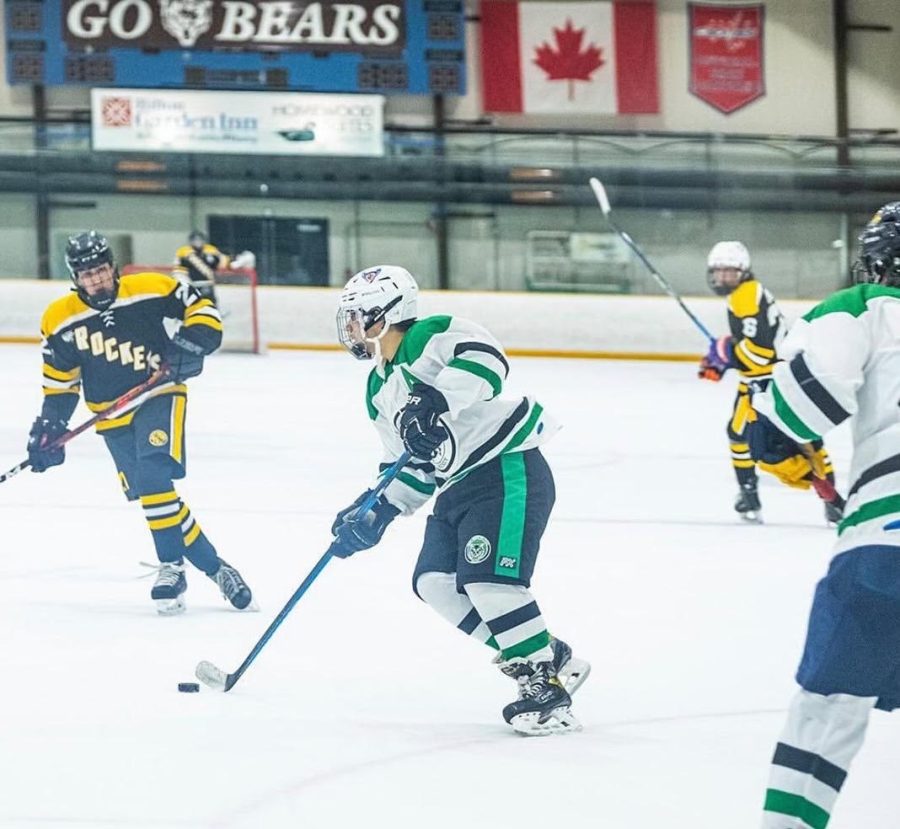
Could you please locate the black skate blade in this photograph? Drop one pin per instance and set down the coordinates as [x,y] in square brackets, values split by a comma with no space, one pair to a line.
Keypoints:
[558,721]
[211,676]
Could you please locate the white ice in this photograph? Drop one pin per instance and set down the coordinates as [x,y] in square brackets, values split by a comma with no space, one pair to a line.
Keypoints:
[366,709]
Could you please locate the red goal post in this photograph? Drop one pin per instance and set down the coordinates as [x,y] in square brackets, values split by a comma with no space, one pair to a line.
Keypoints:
[236,300]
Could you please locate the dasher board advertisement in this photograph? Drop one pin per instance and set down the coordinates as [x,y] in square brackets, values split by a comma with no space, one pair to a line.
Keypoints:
[263,123]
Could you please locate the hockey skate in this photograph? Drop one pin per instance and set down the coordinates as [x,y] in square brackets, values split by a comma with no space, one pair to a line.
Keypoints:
[168,589]
[544,705]
[234,588]
[570,670]
[747,504]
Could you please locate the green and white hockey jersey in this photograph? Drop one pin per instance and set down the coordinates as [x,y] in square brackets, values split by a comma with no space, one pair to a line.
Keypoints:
[468,366]
[843,359]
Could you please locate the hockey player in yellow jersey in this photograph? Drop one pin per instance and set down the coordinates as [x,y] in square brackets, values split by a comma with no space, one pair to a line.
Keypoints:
[756,328]
[198,261]
[105,337]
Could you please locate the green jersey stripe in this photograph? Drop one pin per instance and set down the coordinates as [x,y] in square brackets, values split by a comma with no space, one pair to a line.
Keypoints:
[492,378]
[853,301]
[793,805]
[789,417]
[512,518]
[415,483]
[372,388]
[525,431]
[873,509]
[416,338]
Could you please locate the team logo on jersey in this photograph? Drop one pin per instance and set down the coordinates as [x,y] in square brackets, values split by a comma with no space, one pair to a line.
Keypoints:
[446,453]
[478,548]
[158,438]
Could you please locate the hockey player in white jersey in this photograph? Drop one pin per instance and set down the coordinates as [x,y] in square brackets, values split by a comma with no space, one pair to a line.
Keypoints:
[435,391]
[841,360]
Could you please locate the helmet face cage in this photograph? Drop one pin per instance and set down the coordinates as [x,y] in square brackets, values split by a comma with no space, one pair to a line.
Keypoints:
[384,294]
[354,324]
[351,329]
[85,252]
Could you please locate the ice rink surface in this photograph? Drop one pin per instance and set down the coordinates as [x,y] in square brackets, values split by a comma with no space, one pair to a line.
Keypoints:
[366,709]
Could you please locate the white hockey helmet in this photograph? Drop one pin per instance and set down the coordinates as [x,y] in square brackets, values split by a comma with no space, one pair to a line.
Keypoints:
[385,293]
[727,256]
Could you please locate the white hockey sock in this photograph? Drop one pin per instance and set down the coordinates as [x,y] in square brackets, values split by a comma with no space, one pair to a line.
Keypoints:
[513,617]
[439,591]
[819,741]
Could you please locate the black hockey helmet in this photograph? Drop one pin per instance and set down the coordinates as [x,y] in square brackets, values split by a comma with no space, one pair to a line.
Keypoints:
[887,213]
[85,251]
[879,254]
[197,239]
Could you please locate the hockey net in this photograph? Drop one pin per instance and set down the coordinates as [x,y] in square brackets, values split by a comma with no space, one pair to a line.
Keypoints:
[236,298]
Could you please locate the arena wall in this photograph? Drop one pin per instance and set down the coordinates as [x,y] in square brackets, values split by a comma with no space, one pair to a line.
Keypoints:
[560,325]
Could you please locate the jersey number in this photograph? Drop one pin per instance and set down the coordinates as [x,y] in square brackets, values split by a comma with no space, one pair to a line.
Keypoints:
[750,326]
[183,292]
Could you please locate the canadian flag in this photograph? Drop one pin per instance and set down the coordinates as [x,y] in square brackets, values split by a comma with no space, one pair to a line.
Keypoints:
[569,57]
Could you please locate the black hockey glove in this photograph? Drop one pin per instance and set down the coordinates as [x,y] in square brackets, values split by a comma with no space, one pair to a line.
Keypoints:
[779,455]
[184,357]
[44,431]
[353,532]
[768,443]
[420,421]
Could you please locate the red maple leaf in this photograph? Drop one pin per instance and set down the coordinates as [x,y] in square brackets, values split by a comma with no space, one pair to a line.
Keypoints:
[567,62]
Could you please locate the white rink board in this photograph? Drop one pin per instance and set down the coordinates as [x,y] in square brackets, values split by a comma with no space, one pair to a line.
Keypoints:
[546,322]
[366,709]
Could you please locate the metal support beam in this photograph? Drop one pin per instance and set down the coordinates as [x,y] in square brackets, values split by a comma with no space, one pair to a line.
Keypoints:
[41,204]
[842,122]
[440,206]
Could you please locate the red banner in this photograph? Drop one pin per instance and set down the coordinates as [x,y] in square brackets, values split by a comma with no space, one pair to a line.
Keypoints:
[727,55]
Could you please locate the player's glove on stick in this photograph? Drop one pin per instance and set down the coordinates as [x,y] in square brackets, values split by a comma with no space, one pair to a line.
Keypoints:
[777,454]
[353,532]
[718,359]
[43,432]
[420,421]
[184,356]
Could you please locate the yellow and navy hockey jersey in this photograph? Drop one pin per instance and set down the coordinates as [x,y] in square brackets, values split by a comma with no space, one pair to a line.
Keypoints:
[199,266]
[757,327]
[109,352]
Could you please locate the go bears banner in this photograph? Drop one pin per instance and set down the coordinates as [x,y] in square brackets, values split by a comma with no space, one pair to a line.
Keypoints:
[727,55]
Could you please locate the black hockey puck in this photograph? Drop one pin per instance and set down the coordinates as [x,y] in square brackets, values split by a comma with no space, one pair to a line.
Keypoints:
[188,687]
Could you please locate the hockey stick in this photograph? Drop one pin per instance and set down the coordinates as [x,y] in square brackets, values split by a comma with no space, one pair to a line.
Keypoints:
[603,201]
[823,487]
[215,677]
[116,406]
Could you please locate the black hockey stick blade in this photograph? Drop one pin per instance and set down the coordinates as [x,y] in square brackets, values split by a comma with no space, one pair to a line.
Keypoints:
[11,473]
[213,677]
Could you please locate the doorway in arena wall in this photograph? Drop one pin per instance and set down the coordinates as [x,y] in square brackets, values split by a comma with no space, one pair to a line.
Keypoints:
[289,251]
